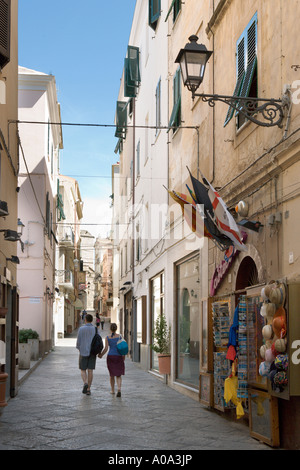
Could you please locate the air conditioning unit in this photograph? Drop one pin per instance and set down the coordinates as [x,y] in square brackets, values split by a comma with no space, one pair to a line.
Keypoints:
[3,209]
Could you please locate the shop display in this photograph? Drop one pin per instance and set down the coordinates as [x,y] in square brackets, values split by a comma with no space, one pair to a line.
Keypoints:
[222,369]
[242,353]
[221,323]
[222,365]
[275,364]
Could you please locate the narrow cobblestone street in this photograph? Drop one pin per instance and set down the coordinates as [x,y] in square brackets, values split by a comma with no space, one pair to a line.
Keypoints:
[51,413]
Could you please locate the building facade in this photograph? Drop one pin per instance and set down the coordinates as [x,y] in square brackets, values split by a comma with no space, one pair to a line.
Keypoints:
[253,167]
[67,267]
[9,167]
[40,146]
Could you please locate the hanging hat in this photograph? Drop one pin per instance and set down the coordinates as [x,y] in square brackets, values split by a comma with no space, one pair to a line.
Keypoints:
[279,326]
[263,310]
[269,356]
[282,362]
[270,309]
[269,287]
[264,369]
[280,378]
[274,351]
[280,345]
[267,332]
[263,351]
[263,294]
[277,295]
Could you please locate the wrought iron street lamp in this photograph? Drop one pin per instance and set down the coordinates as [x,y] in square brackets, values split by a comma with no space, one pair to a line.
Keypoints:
[263,112]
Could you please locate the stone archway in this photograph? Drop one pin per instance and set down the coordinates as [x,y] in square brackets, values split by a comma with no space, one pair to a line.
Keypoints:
[247,274]
[250,270]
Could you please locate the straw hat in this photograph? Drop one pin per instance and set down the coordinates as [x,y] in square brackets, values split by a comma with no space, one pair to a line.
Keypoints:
[277,294]
[263,351]
[263,310]
[268,288]
[267,332]
[280,345]
[271,309]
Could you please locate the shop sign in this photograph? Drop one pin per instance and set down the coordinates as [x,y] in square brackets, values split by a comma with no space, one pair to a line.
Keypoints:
[223,268]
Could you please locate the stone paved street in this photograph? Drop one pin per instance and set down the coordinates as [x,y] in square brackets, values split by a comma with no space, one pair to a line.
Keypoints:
[51,413]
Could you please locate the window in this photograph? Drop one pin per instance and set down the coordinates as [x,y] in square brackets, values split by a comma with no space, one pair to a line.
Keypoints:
[60,205]
[138,158]
[157,308]
[154,12]
[48,216]
[175,7]
[4,32]
[132,77]
[158,106]
[121,119]
[246,69]
[188,322]
[175,119]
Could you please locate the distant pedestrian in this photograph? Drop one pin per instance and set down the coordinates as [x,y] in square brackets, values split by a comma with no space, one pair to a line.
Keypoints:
[98,320]
[115,361]
[87,361]
[83,315]
[102,322]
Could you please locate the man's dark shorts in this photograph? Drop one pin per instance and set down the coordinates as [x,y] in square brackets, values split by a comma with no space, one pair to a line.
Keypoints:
[87,362]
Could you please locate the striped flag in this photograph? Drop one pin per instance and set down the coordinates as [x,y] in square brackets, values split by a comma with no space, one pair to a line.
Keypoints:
[224,219]
[191,213]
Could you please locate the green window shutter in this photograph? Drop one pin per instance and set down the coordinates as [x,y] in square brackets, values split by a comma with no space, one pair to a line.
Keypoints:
[119,146]
[246,62]
[176,113]
[154,12]
[138,156]
[158,105]
[121,119]
[251,62]
[60,204]
[129,84]
[133,65]
[176,7]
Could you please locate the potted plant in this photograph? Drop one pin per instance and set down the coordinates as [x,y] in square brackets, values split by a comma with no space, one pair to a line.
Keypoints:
[162,344]
[28,347]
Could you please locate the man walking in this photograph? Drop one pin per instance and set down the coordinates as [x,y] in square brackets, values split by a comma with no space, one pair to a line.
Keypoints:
[87,361]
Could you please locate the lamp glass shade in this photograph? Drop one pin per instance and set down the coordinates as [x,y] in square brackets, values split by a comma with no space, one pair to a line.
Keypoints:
[193,59]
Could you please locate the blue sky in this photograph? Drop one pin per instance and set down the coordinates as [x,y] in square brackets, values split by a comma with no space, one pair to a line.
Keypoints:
[83,44]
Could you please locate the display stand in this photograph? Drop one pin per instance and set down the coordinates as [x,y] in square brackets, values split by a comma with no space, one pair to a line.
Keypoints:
[264,423]
[206,389]
[221,314]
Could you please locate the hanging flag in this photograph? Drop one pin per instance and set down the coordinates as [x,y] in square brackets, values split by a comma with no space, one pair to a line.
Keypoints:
[202,198]
[224,219]
[190,212]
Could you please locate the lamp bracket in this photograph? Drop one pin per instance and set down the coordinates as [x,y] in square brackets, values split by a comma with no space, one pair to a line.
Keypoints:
[262,111]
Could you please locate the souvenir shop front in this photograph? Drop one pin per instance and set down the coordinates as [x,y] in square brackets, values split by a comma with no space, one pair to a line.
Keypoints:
[253,355]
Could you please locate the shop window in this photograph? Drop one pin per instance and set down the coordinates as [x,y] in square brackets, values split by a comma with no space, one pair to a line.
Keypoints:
[246,69]
[188,322]
[157,308]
